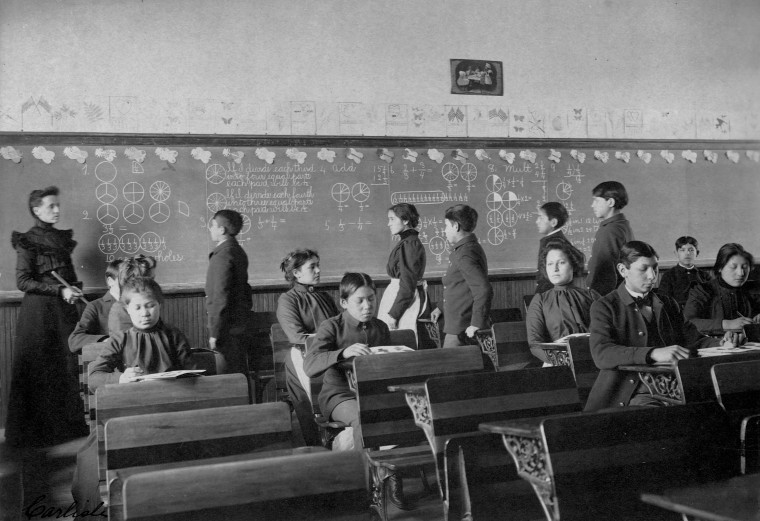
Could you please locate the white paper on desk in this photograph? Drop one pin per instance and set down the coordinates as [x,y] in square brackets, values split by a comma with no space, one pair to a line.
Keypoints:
[168,375]
[721,351]
[377,350]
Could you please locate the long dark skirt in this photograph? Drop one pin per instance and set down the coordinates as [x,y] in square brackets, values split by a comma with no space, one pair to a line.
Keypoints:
[44,405]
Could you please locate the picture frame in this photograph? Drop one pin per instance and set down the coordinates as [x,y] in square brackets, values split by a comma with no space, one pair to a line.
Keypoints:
[477,77]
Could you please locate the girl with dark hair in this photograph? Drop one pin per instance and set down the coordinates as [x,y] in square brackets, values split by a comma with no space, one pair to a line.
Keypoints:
[300,311]
[722,303]
[564,309]
[405,298]
[139,266]
[44,405]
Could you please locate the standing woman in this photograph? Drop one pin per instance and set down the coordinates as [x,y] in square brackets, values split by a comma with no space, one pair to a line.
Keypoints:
[405,298]
[44,405]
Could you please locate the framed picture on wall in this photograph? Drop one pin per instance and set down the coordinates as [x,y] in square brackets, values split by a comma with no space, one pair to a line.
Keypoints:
[482,77]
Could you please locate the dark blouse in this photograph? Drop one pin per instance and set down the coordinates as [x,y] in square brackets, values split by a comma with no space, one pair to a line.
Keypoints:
[41,250]
[558,312]
[301,309]
[678,281]
[161,348]
[712,302]
[333,336]
[406,262]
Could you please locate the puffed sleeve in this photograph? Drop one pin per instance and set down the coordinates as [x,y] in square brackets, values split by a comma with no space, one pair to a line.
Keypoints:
[26,272]
[289,317]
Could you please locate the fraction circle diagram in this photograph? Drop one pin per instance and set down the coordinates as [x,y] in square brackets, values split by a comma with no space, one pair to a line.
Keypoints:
[509,217]
[246,225]
[493,201]
[437,245]
[564,190]
[108,214]
[494,219]
[108,243]
[133,192]
[159,212]
[360,192]
[105,171]
[215,174]
[106,193]
[450,172]
[493,183]
[133,213]
[468,172]
[495,236]
[130,243]
[216,202]
[150,242]
[340,192]
[510,200]
[160,191]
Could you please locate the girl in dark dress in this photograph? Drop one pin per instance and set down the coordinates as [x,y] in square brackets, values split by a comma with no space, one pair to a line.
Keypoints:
[44,405]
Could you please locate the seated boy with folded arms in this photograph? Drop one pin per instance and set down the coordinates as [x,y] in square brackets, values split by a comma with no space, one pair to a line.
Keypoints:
[633,326]
[93,324]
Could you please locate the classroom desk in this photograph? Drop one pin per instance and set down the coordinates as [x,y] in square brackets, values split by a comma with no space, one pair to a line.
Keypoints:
[557,354]
[737,499]
[416,399]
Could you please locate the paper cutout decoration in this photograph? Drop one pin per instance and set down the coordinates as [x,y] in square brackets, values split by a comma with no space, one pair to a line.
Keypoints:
[482,155]
[410,155]
[296,155]
[578,156]
[385,154]
[509,157]
[201,155]
[166,154]
[106,153]
[237,157]
[555,155]
[11,153]
[754,155]
[354,155]
[644,156]
[265,155]
[690,156]
[528,156]
[732,155]
[135,154]
[326,155]
[711,156]
[435,155]
[44,154]
[623,156]
[602,156]
[460,155]
[75,153]
[667,156]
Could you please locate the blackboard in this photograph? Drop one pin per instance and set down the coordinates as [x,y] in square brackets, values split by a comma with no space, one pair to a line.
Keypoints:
[156,195]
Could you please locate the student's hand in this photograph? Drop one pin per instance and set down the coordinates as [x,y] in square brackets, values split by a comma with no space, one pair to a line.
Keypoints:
[733,339]
[436,314]
[212,343]
[356,350]
[470,331]
[736,323]
[129,373]
[70,295]
[392,322]
[669,354]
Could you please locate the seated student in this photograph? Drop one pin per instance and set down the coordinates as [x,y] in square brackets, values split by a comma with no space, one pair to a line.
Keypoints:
[610,197]
[564,309]
[93,324]
[552,217]
[139,266]
[632,325]
[147,347]
[723,303]
[300,311]
[339,338]
[678,281]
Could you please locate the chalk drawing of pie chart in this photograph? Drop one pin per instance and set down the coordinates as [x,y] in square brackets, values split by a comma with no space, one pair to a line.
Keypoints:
[215,174]
[450,172]
[108,243]
[106,193]
[133,192]
[216,202]
[494,201]
[494,219]
[493,183]
[150,242]
[129,243]
[246,225]
[340,192]
[510,200]
[509,218]
[159,212]
[437,245]
[564,190]
[108,214]
[360,192]
[133,213]
[468,172]
[495,236]
[105,171]
[160,191]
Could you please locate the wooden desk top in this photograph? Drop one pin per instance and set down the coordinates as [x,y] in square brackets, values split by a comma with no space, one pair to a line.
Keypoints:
[527,427]
[551,346]
[646,368]
[737,499]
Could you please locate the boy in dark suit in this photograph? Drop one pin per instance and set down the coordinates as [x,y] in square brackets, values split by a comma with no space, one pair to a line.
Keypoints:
[467,293]
[228,295]
[93,324]
[632,325]
[677,281]
[610,197]
[552,217]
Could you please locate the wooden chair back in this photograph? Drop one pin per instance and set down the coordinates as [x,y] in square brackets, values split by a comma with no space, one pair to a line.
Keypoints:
[694,377]
[281,347]
[583,366]
[403,337]
[600,463]
[210,360]
[260,356]
[430,333]
[506,345]
[88,355]
[322,486]
[384,416]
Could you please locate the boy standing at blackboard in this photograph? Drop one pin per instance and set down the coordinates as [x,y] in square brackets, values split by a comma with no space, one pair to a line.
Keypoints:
[610,197]
[228,295]
[467,293]
[552,217]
